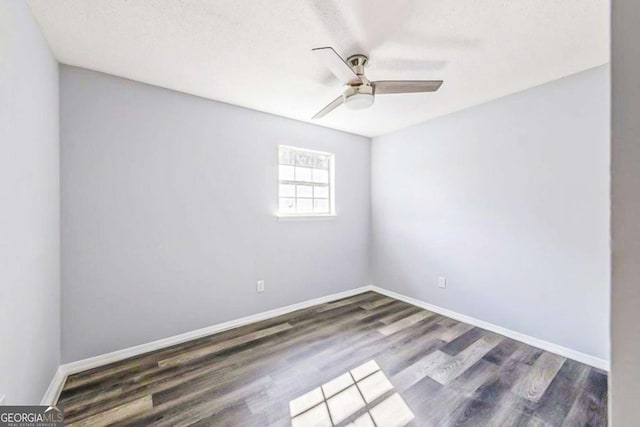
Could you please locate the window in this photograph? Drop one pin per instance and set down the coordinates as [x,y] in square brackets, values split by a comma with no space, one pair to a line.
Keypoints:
[306,182]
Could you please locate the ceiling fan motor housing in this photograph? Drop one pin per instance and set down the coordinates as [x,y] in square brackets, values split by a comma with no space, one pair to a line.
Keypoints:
[357,63]
[358,95]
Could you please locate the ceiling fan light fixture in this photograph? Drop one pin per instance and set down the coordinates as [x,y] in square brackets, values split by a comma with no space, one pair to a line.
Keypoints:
[359,101]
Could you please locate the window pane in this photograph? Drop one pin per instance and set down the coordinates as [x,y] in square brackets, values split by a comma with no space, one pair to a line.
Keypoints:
[304,191]
[320,192]
[287,190]
[287,156]
[321,175]
[303,174]
[308,159]
[321,205]
[305,205]
[322,162]
[287,205]
[286,173]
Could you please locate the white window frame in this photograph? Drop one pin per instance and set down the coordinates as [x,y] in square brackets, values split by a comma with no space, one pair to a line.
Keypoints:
[332,189]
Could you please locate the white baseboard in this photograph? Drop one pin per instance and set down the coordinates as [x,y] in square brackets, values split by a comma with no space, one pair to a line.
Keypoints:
[535,342]
[55,387]
[53,392]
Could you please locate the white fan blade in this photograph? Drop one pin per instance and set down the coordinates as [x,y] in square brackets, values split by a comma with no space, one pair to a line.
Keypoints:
[336,65]
[332,106]
[415,65]
[405,86]
[373,22]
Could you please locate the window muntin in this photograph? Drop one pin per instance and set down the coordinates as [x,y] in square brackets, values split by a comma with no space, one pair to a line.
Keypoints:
[305,182]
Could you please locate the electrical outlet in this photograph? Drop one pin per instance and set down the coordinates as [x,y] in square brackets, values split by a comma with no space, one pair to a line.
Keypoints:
[442,282]
[260,286]
[2,399]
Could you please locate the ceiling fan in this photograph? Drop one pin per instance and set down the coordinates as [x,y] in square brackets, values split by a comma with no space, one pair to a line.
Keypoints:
[359,92]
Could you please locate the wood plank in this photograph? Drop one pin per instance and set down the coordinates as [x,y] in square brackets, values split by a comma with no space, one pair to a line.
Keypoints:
[474,377]
[343,302]
[455,331]
[447,323]
[378,303]
[90,398]
[590,407]
[555,403]
[392,317]
[189,408]
[379,313]
[116,414]
[405,323]
[503,351]
[206,351]
[463,341]
[450,370]
[419,370]
[76,380]
[535,383]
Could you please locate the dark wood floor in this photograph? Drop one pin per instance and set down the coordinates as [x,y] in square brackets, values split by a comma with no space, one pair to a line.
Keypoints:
[447,373]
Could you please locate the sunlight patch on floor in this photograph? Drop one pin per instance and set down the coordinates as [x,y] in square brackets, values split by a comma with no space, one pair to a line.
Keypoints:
[353,397]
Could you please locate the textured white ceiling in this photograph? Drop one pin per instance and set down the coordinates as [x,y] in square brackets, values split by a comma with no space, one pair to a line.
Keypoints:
[257,54]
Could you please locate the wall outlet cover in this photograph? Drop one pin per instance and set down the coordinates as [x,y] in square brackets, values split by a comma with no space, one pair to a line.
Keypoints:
[2,396]
[442,282]
[260,286]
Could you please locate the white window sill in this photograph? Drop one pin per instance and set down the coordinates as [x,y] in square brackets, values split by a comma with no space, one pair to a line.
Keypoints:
[288,218]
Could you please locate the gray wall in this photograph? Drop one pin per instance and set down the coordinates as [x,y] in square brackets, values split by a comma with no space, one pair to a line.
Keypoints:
[508,201]
[29,208]
[168,214]
[625,214]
